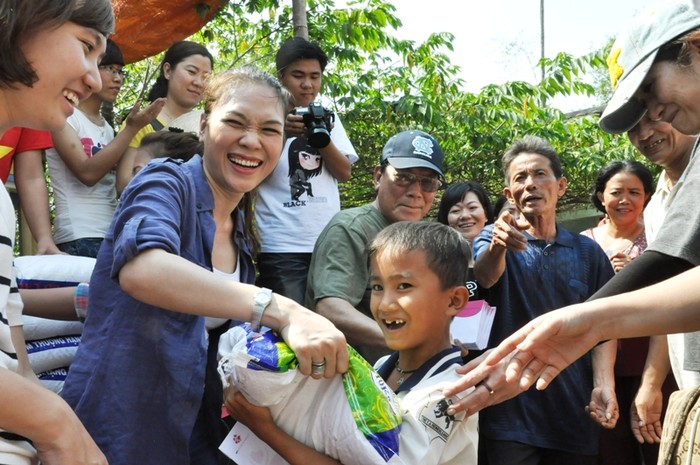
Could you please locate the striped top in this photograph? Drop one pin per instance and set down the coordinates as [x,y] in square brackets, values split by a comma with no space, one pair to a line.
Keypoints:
[14,450]
[10,302]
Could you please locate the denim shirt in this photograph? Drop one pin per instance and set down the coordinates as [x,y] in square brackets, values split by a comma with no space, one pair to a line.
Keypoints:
[138,380]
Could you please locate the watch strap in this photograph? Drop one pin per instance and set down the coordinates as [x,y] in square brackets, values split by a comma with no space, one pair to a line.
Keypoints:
[260,303]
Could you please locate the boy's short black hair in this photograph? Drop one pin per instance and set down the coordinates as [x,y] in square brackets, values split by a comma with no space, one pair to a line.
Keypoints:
[447,252]
[298,48]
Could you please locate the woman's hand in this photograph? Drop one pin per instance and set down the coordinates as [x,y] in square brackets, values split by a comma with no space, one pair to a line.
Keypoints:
[489,382]
[320,347]
[542,348]
[139,118]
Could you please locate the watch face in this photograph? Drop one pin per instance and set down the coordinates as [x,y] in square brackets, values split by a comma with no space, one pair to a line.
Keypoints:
[262,298]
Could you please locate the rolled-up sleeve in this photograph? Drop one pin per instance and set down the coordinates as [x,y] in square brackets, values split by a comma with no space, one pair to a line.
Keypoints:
[150,216]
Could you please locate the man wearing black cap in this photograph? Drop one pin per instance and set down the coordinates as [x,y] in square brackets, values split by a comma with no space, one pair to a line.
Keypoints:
[531,266]
[406,181]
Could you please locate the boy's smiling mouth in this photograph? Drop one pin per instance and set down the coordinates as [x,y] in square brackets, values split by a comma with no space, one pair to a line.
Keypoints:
[394,324]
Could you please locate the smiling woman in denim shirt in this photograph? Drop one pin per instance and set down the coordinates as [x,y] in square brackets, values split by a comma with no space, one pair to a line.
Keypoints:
[144,380]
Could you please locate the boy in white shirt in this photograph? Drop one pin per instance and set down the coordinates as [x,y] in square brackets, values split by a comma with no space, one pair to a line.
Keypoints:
[417,277]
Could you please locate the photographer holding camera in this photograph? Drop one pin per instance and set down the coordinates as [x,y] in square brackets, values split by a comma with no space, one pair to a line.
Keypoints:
[301,195]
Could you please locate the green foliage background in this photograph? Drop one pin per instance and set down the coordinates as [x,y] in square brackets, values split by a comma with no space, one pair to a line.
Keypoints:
[382,85]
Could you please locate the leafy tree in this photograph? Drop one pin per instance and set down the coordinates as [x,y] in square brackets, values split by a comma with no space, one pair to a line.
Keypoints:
[382,85]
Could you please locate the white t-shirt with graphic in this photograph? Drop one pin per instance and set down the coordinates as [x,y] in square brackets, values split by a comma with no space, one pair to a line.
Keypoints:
[81,210]
[293,206]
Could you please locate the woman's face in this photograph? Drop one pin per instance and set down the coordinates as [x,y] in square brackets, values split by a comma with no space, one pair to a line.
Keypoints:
[186,81]
[623,198]
[243,139]
[467,216]
[671,93]
[65,61]
[112,77]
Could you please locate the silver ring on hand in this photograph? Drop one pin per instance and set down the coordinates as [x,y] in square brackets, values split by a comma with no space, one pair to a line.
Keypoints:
[318,368]
[488,388]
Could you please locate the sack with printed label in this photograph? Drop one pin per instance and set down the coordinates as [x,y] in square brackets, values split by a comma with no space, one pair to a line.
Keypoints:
[353,418]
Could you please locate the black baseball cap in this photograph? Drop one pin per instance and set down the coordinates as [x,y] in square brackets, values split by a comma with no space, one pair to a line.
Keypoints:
[413,149]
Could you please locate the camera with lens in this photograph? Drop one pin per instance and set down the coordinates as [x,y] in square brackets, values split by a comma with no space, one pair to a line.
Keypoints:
[318,121]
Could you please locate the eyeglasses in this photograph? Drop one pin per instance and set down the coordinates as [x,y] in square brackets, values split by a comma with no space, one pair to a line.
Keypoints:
[406,179]
[114,71]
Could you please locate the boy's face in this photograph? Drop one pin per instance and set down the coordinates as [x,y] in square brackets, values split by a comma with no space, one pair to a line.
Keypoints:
[303,79]
[408,303]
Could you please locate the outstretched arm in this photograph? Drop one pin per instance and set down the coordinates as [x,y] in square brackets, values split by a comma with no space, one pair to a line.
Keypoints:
[542,348]
[489,382]
[165,280]
[553,341]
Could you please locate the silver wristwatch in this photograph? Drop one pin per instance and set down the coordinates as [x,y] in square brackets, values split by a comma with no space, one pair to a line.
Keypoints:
[260,302]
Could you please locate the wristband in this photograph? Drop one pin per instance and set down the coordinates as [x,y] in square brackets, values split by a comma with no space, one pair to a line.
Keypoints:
[80,300]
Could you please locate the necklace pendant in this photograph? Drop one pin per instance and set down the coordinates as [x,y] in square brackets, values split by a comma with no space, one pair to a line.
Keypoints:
[399,381]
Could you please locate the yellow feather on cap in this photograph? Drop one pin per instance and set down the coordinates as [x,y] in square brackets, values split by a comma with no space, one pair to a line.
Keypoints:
[614,67]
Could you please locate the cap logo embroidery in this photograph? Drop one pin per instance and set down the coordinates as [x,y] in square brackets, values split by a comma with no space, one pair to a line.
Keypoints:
[423,146]
[614,68]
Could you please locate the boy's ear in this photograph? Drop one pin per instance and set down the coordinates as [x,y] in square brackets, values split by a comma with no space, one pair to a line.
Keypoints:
[458,299]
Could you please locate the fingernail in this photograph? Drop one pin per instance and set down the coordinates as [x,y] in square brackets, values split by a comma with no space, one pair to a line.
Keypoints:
[608,416]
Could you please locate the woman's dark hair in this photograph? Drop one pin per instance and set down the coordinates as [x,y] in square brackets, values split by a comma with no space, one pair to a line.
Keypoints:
[113,55]
[455,194]
[21,19]
[223,86]
[174,55]
[621,166]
